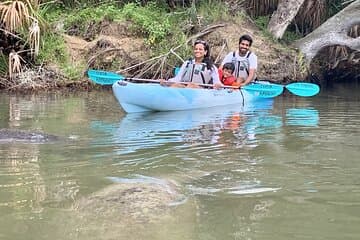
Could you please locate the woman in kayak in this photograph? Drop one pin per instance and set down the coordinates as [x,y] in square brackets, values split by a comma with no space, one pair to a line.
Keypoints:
[197,71]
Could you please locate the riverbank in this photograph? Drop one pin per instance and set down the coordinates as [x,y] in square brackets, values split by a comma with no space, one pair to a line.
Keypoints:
[276,62]
[117,44]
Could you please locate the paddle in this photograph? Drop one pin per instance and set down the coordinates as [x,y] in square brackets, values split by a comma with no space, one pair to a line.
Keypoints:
[109,78]
[103,77]
[264,90]
[260,90]
[299,88]
[303,89]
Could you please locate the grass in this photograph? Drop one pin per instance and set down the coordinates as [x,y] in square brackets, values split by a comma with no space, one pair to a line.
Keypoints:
[54,51]
[149,20]
[3,64]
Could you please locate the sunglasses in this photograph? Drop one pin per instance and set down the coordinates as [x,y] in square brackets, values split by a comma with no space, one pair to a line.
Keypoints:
[201,42]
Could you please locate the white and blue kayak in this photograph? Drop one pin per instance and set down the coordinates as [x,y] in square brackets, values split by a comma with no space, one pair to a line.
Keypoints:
[143,95]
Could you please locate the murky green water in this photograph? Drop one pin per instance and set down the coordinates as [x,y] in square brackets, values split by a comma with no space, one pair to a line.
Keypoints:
[287,169]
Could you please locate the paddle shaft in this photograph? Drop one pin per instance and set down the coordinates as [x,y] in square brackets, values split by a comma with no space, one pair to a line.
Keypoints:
[109,78]
[186,83]
[258,88]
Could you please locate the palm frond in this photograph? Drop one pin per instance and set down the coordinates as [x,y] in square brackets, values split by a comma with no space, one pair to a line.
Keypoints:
[34,37]
[311,15]
[260,7]
[15,64]
[14,15]
[355,31]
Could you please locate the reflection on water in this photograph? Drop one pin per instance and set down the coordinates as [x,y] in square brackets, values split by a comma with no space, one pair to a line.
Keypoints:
[146,130]
[242,170]
[202,133]
[302,117]
[198,127]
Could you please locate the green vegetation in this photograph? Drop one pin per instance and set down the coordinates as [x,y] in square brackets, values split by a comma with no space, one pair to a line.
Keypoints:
[3,64]
[262,22]
[213,11]
[84,16]
[54,51]
[150,21]
[290,37]
[162,27]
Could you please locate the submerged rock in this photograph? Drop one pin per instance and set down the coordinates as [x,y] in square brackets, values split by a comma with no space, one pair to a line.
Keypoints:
[10,135]
[131,208]
[129,202]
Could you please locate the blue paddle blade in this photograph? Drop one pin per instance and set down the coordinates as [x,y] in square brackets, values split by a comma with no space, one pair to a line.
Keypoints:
[303,89]
[264,90]
[103,77]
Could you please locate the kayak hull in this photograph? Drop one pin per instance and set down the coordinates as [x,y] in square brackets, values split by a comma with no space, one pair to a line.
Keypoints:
[144,97]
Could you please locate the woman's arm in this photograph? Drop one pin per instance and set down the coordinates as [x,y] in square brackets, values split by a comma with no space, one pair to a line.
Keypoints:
[215,75]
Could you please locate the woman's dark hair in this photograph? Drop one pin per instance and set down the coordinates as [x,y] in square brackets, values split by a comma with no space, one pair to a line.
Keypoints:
[230,66]
[207,59]
[246,38]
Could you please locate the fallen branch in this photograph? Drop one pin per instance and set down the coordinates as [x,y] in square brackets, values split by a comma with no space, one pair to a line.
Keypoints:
[162,58]
[333,32]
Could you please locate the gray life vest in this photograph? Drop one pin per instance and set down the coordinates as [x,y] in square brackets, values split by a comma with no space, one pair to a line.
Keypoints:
[197,73]
[242,66]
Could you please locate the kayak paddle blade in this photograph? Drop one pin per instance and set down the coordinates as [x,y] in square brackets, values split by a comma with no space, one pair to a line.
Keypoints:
[103,77]
[267,90]
[303,89]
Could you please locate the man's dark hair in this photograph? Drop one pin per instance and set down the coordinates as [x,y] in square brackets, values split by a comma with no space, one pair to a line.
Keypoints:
[246,37]
[230,66]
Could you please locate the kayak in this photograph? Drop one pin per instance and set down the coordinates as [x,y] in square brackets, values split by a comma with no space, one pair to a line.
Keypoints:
[149,95]
[144,97]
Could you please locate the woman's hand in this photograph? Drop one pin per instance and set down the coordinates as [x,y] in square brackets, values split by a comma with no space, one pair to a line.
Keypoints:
[163,82]
[217,85]
[193,85]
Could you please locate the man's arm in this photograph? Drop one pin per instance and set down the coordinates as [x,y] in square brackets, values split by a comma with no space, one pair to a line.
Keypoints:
[250,77]
[252,69]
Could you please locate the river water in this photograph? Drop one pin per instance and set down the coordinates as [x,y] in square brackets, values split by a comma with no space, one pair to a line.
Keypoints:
[282,169]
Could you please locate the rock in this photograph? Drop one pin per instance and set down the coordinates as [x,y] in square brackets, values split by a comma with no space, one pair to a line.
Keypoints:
[129,203]
[10,135]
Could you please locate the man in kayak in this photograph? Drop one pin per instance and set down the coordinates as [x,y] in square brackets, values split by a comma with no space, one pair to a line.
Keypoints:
[197,71]
[244,60]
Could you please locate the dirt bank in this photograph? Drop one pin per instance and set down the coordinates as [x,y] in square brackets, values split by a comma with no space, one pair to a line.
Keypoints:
[113,43]
[112,47]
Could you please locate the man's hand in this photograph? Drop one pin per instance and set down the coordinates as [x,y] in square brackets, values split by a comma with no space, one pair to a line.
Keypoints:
[236,85]
[217,85]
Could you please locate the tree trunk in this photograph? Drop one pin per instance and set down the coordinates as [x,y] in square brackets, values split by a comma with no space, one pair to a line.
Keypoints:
[335,31]
[282,17]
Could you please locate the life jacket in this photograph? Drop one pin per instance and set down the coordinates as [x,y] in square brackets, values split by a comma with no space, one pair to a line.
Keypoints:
[241,66]
[196,73]
[229,81]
